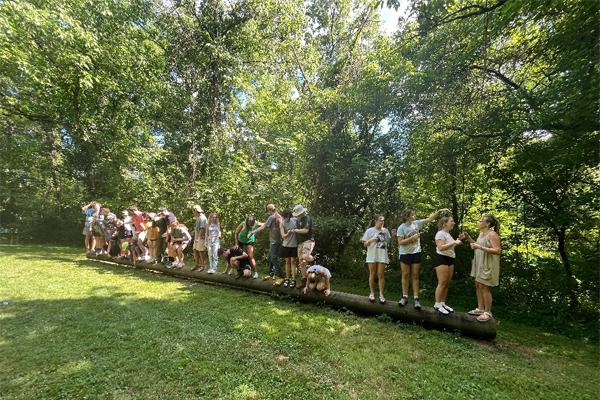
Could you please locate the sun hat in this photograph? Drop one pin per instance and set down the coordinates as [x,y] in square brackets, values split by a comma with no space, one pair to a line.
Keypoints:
[298,210]
[197,208]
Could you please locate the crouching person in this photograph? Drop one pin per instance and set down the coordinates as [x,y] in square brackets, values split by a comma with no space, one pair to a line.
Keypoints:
[317,278]
[236,259]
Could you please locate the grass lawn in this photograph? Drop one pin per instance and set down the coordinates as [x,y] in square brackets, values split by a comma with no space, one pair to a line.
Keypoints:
[77,329]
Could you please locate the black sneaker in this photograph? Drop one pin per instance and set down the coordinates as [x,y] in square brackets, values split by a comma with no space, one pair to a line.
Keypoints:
[403,301]
[417,304]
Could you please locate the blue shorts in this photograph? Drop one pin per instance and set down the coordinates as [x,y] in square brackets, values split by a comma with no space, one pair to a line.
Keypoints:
[410,259]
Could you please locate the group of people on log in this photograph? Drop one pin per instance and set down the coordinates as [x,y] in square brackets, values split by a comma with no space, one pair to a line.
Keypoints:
[160,237]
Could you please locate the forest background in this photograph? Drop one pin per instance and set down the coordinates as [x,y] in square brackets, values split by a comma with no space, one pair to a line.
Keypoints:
[475,105]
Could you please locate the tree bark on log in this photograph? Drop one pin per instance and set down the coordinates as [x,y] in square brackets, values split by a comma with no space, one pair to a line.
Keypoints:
[427,316]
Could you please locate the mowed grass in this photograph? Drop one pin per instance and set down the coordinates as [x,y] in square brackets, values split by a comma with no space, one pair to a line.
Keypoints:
[77,329]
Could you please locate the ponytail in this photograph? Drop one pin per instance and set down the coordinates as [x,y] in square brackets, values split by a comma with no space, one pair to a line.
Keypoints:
[494,224]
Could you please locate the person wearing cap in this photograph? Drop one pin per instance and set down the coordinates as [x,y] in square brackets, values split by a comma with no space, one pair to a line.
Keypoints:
[305,237]
[318,279]
[199,239]
[273,223]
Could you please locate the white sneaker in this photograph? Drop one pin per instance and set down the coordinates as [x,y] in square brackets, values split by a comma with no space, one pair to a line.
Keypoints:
[448,308]
[230,272]
[255,275]
[441,309]
[211,271]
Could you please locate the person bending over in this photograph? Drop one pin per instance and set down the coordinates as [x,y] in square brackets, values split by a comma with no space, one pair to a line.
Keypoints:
[237,259]
[317,278]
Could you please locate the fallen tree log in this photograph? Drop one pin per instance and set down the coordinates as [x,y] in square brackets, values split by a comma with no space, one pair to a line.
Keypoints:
[427,316]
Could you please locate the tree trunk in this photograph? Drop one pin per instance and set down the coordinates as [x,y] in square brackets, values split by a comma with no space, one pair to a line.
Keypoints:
[53,157]
[561,235]
[427,317]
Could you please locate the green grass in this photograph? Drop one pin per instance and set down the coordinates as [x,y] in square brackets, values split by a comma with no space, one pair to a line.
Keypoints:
[81,329]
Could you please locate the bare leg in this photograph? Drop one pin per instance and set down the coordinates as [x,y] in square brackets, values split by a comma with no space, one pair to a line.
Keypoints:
[372,272]
[479,295]
[381,277]
[487,297]
[405,278]
[416,270]
[441,271]
[448,280]
[293,267]
[250,251]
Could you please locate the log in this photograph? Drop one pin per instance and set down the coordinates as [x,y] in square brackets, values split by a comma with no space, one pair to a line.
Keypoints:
[427,317]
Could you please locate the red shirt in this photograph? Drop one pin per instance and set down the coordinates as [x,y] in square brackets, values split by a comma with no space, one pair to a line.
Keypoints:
[138,221]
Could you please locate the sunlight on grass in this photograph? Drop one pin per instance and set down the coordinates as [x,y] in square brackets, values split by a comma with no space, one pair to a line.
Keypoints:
[77,329]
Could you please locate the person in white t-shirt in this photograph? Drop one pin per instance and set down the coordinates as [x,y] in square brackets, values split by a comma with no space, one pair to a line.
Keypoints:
[376,239]
[443,262]
[409,251]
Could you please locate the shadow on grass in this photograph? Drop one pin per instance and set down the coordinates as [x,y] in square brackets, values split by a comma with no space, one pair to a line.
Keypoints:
[156,348]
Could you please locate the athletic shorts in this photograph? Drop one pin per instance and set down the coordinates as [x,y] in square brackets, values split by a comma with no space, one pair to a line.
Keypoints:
[442,260]
[410,259]
[288,252]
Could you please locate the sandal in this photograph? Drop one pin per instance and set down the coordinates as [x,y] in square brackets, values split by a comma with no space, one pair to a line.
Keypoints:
[486,316]
[293,283]
[372,298]
[475,311]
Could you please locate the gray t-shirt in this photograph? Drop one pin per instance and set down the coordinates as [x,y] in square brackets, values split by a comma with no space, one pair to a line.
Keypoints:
[407,230]
[201,225]
[290,240]
[273,225]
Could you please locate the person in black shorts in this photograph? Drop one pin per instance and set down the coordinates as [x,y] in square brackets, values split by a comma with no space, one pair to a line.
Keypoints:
[236,259]
[443,262]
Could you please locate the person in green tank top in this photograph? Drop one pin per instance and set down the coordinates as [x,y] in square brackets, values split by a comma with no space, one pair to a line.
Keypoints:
[245,238]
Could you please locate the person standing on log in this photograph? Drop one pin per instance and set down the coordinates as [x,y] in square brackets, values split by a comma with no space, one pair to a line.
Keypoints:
[486,264]
[138,219]
[200,249]
[305,237]
[162,221]
[243,235]
[90,210]
[273,223]
[376,240]
[212,239]
[443,262]
[289,249]
[409,249]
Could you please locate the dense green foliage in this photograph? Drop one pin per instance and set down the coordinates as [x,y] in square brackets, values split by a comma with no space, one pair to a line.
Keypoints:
[76,328]
[487,105]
